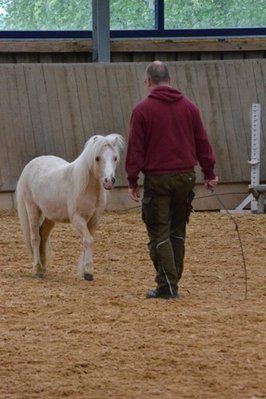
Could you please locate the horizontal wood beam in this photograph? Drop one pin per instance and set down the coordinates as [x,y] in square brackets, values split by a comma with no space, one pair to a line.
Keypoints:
[133,45]
[188,45]
[45,46]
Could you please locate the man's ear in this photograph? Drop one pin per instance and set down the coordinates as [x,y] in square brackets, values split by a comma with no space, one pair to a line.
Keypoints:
[149,82]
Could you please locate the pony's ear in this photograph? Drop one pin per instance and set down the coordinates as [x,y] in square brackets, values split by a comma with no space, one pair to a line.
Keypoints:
[95,138]
[116,140]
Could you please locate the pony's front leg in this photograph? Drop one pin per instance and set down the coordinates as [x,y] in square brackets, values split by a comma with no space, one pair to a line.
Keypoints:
[85,264]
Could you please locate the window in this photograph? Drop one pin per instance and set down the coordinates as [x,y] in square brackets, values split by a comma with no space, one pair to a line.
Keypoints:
[45,15]
[132,15]
[133,18]
[214,14]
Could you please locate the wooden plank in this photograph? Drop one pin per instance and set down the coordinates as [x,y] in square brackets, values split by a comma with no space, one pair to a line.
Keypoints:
[22,58]
[8,58]
[188,45]
[138,76]
[209,94]
[86,113]
[117,121]
[186,56]
[105,97]
[28,145]
[33,76]
[45,137]
[65,57]
[142,57]
[74,98]
[208,56]
[127,87]
[45,45]
[15,134]
[64,94]
[230,130]
[235,92]
[53,111]
[228,55]
[6,177]
[134,45]
[94,99]
[165,56]
[46,58]
[190,78]
[12,152]
[178,76]
[254,54]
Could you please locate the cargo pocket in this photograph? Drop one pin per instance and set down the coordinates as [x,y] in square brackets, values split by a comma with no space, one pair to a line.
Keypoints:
[190,198]
[147,210]
[189,180]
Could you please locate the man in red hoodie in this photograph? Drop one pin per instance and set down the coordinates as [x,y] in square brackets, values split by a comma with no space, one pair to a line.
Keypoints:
[166,140]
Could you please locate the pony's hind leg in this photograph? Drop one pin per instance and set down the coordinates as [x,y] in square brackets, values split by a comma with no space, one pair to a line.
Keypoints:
[45,230]
[34,215]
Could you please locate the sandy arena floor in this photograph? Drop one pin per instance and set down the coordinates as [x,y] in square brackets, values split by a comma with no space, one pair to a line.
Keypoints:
[63,337]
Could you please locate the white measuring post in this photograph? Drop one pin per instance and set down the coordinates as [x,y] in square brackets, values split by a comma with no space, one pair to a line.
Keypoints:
[255,159]
[255,152]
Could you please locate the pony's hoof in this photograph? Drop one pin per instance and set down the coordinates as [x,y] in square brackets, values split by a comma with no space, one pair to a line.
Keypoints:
[38,275]
[88,276]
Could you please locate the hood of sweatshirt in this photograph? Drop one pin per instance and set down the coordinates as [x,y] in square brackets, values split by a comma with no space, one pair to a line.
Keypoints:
[166,93]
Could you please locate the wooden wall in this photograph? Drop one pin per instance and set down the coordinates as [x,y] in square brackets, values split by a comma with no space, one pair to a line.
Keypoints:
[132,50]
[53,108]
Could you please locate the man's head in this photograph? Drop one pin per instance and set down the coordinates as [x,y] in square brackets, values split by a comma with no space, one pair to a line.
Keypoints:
[156,74]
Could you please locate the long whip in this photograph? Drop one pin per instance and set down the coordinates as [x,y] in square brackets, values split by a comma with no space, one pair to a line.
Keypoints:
[239,237]
[218,197]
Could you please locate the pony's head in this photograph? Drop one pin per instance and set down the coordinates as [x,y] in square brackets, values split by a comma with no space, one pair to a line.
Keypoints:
[105,155]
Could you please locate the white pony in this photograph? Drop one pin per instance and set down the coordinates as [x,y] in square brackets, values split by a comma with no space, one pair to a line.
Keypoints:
[52,190]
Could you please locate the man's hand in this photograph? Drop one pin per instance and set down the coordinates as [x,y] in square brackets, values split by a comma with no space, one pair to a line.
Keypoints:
[134,193]
[211,183]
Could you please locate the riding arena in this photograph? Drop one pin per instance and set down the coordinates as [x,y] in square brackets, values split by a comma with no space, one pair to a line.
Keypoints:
[87,331]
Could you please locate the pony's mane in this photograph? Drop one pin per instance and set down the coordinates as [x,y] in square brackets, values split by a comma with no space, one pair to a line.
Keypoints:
[83,165]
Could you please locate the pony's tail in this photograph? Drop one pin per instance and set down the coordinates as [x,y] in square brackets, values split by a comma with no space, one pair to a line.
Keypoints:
[23,217]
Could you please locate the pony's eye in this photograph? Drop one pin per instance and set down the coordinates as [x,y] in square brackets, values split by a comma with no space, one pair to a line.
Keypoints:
[97,159]
[115,159]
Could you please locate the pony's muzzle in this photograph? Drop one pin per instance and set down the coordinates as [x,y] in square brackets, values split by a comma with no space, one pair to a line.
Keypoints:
[108,183]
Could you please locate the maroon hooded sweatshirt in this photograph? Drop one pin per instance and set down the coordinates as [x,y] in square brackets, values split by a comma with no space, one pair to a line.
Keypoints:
[167,135]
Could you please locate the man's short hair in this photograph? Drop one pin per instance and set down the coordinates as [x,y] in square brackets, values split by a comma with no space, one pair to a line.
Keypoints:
[157,72]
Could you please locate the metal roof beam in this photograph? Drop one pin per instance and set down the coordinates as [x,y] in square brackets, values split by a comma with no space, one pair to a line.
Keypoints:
[101,31]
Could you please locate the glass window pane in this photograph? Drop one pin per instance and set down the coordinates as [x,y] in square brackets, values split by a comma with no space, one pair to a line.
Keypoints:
[132,14]
[204,14]
[45,14]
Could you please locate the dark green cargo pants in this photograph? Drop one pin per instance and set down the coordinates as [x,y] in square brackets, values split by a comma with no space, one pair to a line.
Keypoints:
[166,206]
